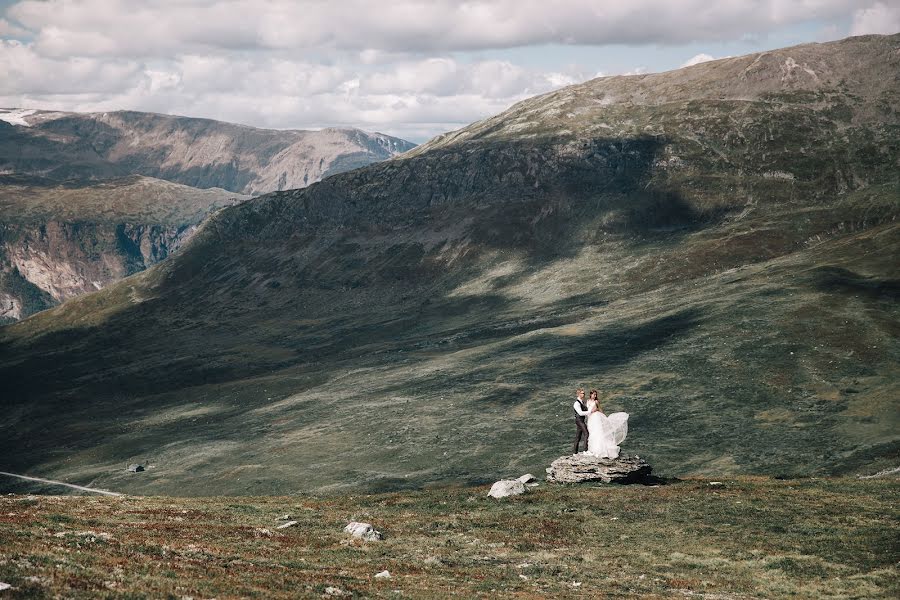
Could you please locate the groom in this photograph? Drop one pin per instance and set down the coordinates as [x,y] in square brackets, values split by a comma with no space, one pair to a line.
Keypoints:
[580,413]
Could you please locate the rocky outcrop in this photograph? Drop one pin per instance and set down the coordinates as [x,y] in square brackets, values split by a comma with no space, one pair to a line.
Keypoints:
[363,531]
[506,487]
[585,468]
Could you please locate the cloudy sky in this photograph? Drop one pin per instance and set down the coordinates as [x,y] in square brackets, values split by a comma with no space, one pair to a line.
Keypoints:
[411,68]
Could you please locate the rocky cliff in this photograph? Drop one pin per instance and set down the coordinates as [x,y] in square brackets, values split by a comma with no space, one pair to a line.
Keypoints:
[714,248]
[59,240]
[201,153]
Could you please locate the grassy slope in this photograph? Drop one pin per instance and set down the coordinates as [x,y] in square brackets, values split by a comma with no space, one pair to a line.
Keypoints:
[754,538]
[730,278]
[32,201]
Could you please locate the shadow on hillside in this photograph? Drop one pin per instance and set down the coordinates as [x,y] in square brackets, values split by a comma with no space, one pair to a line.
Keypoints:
[839,280]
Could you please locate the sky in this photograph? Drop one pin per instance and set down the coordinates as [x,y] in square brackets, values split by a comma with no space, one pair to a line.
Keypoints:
[410,68]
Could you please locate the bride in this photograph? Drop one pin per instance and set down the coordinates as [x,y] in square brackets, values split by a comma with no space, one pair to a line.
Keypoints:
[605,433]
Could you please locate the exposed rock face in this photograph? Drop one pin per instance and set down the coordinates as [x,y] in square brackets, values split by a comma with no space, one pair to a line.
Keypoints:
[585,468]
[506,487]
[198,152]
[58,241]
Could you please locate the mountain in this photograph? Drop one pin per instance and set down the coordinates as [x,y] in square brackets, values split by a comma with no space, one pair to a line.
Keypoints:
[63,234]
[715,248]
[59,240]
[201,153]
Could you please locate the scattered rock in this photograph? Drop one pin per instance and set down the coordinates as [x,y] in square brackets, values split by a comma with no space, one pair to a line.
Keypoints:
[4,586]
[88,536]
[288,524]
[578,468]
[262,532]
[284,518]
[895,472]
[135,468]
[716,484]
[333,591]
[527,478]
[363,531]
[507,487]
[383,575]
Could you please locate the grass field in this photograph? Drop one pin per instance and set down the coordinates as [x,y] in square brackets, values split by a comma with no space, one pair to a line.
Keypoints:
[748,538]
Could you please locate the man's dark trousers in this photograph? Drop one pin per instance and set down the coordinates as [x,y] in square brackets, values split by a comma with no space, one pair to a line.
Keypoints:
[581,434]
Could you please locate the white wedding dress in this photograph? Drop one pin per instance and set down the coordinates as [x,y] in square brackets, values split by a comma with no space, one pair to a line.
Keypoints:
[605,433]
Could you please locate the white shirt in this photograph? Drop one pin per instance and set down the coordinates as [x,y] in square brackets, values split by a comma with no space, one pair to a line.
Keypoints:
[578,410]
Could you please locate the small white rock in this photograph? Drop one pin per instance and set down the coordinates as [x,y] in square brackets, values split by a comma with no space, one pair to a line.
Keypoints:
[288,524]
[507,487]
[383,575]
[4,586]
[527,478]
[363,531]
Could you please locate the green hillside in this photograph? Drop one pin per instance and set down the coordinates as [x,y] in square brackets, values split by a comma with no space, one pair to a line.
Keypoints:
[715,248]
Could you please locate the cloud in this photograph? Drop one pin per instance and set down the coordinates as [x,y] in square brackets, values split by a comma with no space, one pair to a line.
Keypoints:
[697,59]
[412,68]
[879,18]
[414,98]
[24,69]
[8,30]
[157,27]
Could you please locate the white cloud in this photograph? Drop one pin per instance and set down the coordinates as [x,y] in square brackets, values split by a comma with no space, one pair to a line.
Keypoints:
[26,70]
[8,30]
[408,67]
[697,59]
[161,27]
[415,98]
[879,18]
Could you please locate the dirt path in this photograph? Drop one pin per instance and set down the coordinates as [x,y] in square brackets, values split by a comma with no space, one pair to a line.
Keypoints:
[51,482]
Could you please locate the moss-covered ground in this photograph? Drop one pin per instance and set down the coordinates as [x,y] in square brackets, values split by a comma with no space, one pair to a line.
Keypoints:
[746,538]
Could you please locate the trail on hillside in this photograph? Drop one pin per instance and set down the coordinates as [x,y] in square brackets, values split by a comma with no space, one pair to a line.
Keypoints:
[70,485]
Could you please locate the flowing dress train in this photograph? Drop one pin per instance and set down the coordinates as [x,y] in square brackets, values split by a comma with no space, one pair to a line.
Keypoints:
[606,432]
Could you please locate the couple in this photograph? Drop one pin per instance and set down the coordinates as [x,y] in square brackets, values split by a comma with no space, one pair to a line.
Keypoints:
[602,435]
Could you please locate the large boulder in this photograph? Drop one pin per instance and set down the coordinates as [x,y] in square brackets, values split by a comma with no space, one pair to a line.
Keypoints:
[507,487]
[578,468]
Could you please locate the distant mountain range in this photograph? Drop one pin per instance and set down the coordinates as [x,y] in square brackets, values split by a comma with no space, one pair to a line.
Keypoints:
[200,153]
[90,198]
[714,248]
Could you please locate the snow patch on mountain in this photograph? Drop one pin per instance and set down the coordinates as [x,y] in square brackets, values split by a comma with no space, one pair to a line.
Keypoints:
[16,116]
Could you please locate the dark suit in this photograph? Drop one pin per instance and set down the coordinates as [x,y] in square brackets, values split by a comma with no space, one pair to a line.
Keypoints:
[582,430]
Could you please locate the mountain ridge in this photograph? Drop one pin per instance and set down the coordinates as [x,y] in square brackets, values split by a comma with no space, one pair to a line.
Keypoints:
[193,151]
